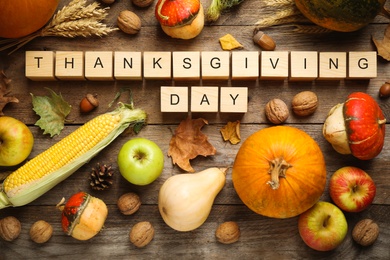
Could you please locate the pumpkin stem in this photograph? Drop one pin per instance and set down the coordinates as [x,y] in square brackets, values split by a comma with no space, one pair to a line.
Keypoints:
[382,121]
[278,168]
[164,17]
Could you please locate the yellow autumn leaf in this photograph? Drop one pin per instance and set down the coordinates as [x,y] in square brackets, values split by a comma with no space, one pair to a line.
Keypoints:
[231,132]
[228,42]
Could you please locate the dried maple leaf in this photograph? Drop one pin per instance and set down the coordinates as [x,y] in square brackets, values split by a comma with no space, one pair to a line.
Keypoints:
[228,42]
[4,91]
[188,142]
[52,110]
[231,132]
[383,46]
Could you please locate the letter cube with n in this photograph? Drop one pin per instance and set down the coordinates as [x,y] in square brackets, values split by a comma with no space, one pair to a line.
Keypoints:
[174,99]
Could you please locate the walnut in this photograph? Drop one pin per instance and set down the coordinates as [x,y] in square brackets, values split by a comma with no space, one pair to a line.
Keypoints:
[228,232]
[276,111]
[304,103]
[10,228]
[365,232]
[129,22]
[142,3]
[129,203]
[41,232]
[141,234]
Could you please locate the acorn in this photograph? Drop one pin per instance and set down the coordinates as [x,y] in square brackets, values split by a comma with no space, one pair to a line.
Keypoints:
[89,103]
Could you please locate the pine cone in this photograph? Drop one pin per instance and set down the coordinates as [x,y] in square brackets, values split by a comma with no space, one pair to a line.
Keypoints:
[101,177]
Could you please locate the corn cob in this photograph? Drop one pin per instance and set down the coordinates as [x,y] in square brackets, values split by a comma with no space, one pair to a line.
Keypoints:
[54,165]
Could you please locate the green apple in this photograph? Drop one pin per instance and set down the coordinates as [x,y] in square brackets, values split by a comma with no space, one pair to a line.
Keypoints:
[16,141]
[323,227]
[140,161]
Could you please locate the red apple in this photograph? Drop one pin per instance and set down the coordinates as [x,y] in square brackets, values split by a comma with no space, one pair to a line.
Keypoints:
[352,189]
[323,227]
[16,141]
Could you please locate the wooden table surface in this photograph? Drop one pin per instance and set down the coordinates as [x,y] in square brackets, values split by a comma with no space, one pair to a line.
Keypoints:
[261,237]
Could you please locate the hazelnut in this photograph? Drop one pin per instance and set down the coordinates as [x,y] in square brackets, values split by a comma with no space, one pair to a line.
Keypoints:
[228,232]
[304,103]
[365,232]
[142,3]
[384,91]
[264,41]
[89,103]
[141,234]
[129,22]
[10,228]
[276,111]
[129,203]
[108,1]
[41,232]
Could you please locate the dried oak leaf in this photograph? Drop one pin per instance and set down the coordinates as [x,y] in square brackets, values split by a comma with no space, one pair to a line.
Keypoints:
[52,110]
[188,142]
[228,42]
[4,91]
[231,132]
[383,46]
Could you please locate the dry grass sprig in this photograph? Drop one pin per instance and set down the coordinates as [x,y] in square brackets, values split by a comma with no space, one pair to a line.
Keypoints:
[279,3]
[279,17]
[73,20]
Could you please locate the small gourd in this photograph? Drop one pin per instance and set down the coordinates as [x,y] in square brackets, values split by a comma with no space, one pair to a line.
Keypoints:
[185,200]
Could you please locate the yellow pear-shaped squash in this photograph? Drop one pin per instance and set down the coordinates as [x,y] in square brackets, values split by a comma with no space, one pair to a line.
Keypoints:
[185,200]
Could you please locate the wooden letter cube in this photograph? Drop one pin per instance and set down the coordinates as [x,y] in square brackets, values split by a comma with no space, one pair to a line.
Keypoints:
[362,65]
[204,99]
[70,65]
[174,99]
[303,65]
[216,65]
[333,65]
[245,65]
[234,99]
[186,65]
[40,65]
[99,65]
[127,65]
[274,65]
[157,65]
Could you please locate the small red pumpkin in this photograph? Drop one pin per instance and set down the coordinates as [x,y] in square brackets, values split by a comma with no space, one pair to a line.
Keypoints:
[356,127]
[279,172]
[83,216]
[183,19]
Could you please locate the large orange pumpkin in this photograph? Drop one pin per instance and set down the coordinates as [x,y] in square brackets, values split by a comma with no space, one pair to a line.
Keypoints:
[19,18]
[279,172]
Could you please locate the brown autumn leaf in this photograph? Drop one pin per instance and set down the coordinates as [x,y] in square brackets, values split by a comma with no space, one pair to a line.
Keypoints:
[231,132]
[4,91]
[188,142]
[383,46]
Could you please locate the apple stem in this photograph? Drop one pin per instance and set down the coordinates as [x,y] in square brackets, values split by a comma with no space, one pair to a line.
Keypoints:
[326,221]
[164,17]
[278,168]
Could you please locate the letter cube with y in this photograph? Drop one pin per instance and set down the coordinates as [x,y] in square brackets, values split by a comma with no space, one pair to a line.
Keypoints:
[174,99]
[40,65]
[234,99]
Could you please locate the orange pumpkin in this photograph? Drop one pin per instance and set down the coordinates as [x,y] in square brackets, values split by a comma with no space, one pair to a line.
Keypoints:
[279,172]
[21,17]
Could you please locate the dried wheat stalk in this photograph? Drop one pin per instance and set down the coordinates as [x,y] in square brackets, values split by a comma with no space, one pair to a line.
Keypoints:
[75,19]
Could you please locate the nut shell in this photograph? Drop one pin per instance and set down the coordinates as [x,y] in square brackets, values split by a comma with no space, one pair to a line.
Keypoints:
[129,203]
[384,91]
[141,234]
[365,232]
[228,232]
[276,111]
[41,231]
[10,228]
[142,3]
[129,22]
[304,103]
[264,41]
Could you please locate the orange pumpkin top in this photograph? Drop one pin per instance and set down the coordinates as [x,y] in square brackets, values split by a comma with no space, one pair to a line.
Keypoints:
[22,17]
[279,172]
[176,12]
